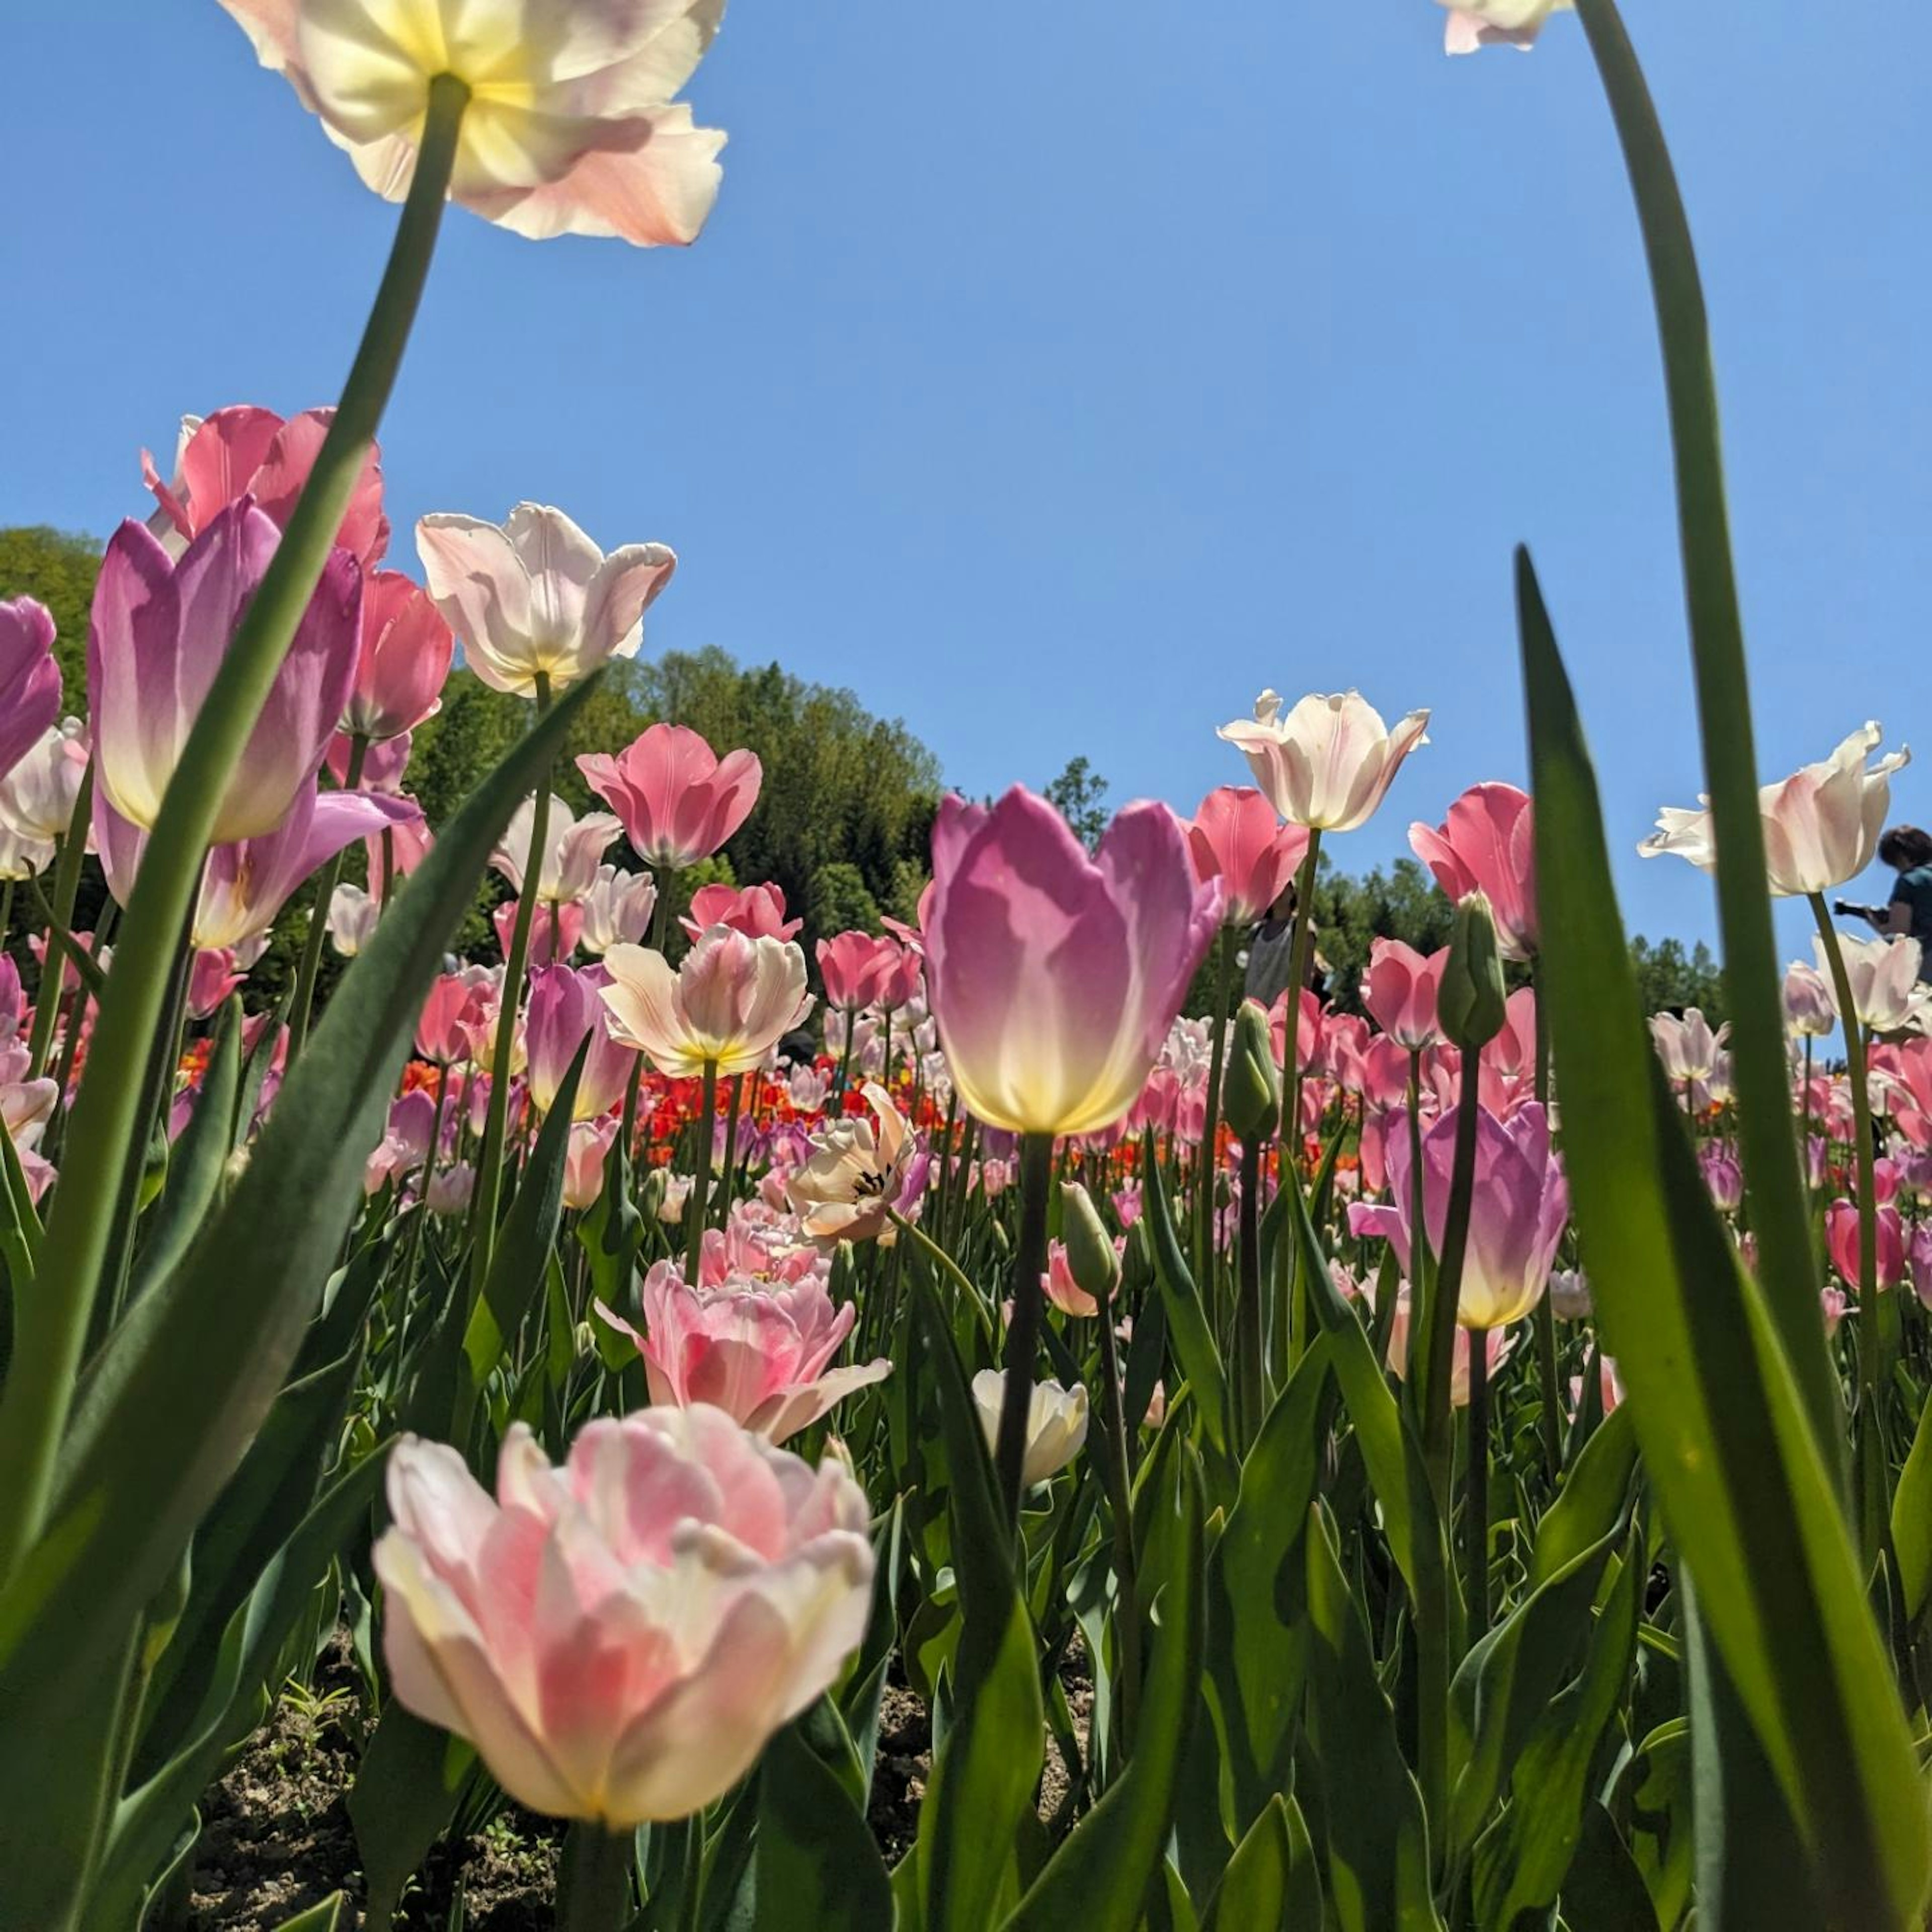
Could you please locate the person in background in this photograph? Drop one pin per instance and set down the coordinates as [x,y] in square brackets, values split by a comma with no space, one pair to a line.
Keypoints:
[1268,964]
[1908,851]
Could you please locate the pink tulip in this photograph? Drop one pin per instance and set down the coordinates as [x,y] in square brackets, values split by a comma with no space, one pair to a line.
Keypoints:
[851,964]
[1399,990]
[564,1008]
[158,634]
[1486,845]
[1841,1242]
[1054,975]
[761,1354]
[570,129]
[901,979]
[1496,1351]
[758,911]
[1329,763]
[555,930]
[617,908]
[1475,24]
[1722,1176]
[211,980]
[30,679]
[245,451]
[619,1637]
[409,844]
[384,762]
[38,796]
[729,1003]
[1810,1007]
[1235,837]
[1919,1257]
[680,802]
[443,1027]
[585,1160]
[402,661]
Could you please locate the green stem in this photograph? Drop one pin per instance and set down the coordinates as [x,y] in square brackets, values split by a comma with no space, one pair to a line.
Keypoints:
[594,1884]
[1217,1044]
[1874,1373]
[1127,1594]
[1298,952]
[694,1209]
[1416,1379]
[1437,1413]
[1543,1317]
[941,1259]
[1023,1334]
[1250,1371]
[50,1329]
[318,917]
[490,1162]
[67,885]
[730,1147]
[1476,1500]
[1767,1138]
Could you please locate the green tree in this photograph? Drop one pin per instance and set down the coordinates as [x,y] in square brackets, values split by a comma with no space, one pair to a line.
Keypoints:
[1079,795]
[58,567]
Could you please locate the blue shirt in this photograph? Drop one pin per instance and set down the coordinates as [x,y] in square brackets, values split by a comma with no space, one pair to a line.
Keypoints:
[1913,891]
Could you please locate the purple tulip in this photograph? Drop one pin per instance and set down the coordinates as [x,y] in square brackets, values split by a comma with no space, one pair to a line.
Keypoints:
[565,1005]
[30,680]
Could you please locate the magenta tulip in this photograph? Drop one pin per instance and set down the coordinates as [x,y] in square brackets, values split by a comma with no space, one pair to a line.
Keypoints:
[1841,1242]
[679,801]
[1485,845]
[565,1006]
[1236,837]
[852,964]
[30,680]
[1053,974]
[403,659]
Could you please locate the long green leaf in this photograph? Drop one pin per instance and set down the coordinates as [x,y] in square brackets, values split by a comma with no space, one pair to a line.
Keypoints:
[1750,1504]
[406,1791]
[1596,1487]
[817,1867]
[1194,1349]
[1271,1881]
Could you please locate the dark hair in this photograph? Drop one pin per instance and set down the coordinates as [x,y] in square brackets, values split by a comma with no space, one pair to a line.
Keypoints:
[1905,848]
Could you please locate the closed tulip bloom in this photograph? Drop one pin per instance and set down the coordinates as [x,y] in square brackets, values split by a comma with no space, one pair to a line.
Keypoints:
[1841,1242]
[533,596]
[619,1637]
[1330,762]
[1809,1008]
[584,1159]
[38,796]
[1821,825]
[30,679]
[851,964]
[1919,1258]
[1688,1048]
[443,1033]
[617,908]
[1235,837]
[572,851]
[1054,975]
[758,911]
[565,1008]
[1056,1422]
[1886,994]
[855,1176]
[1485,845]
[244,451]
[680,802]
[402,660]
[352,915]
[1475,24]
[761,1351]
[570,128]
[730,1002]
[157,635]
[1400,989]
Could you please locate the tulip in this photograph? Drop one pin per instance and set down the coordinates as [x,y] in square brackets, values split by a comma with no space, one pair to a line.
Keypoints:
[352,915]
[158,633]
[570,128]
[212,976]
[760,1353]
[573,849]
[856,1175]
[1485,845]
[758,912]
[680,802]
[30,678]
[442,1028]
[534,598]
[404,846]
[1235,837]
[1496,1347]
[1841,1242]
[1327,764]
[1399,990]
[900,978]
[1056,1422]
[619,1637]
[1474,24]
[554,929]
[564,1008]
[727,1006]
[1570,1298]
[617,907]
[1687,1047]
[38,795]
[1821,825]
[1055,976]
[402,660]
[1810,1010]
[1094,1257]
[1919,1256]
[1722,1176]
[851,964]
[1886,994]
[449,1193]
[584,1160]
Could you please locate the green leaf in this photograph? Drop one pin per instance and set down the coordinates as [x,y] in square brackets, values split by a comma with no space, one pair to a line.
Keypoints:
[1100,1875]
[1379,1873]
[1912,1523]
[1194,1350]
[818,1869]
[1271,1881]
[1596,1490]
[1750,1504]
[1603,1890]
[405,1793]
[327,1914]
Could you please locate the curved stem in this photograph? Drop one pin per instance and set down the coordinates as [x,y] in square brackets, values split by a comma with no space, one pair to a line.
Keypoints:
[318,918]
[67,885]
[50,1330]
[941,1259]
[1437,1410]
[1120,1508]
[1023,1335]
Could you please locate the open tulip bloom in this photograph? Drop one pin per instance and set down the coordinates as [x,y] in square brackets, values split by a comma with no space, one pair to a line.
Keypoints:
[1328,764]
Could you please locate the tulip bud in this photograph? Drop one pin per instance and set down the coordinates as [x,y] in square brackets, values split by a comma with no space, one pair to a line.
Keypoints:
[1090,1256]
[1137,1263]
[1251,1091]
[1471,1004]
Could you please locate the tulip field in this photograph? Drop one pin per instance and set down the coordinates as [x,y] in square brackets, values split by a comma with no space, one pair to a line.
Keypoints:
[979,1424]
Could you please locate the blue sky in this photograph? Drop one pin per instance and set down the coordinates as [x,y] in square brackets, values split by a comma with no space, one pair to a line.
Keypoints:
[1058,376]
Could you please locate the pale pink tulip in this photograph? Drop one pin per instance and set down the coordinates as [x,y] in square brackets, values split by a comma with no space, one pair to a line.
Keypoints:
[584,1160]
[352,916]
[158,634]
[1474,24]
[1053,974]
[554,930]
[727,1005]
[1330,762]
[1688,1048]
[247,452]
[1810,1006]
[1821,825]
[570,128]
[617,908]
[38,795]
[855,1176]
[679,801]
[534,598]
[1235,837]
[758,911]
[1485,845]
[402,660]
[760,1353]
[1887,993]
[30,678]
[442,1027]
[565,1008]
[619,1637]
[1056,1422]
[573,849]
[1400,989]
